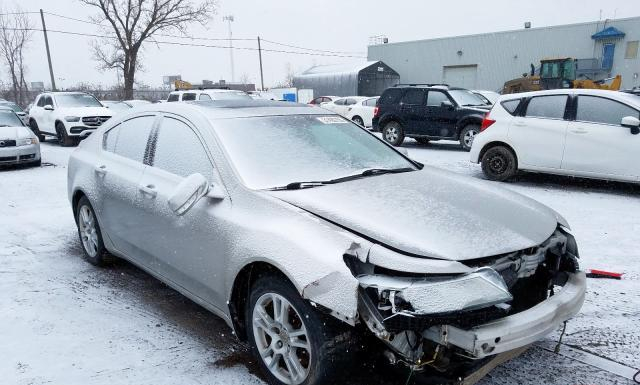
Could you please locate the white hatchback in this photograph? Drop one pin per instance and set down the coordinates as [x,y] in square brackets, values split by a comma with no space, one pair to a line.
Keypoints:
[585,133]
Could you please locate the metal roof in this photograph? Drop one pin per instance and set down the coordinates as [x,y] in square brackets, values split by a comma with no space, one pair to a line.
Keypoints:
[338,68]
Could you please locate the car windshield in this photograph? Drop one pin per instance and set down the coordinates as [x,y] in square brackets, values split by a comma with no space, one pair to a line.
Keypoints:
[269,152]
[13,106]
[77,100]
[466,98]
[9,118]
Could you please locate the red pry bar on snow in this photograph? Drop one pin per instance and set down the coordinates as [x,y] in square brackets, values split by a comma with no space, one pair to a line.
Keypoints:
[603,274]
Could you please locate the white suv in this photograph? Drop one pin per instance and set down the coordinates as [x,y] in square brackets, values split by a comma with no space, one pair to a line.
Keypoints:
[210,94]
[584,133]
[69,116]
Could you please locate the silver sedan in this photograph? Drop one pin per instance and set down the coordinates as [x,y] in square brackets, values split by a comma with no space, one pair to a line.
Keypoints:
[303,231]
[18,144]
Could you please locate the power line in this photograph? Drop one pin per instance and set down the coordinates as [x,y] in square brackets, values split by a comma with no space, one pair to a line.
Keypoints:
[18,13]
[312,49]
[193,44]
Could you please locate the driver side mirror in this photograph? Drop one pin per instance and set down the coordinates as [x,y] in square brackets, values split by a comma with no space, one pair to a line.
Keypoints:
[447,104]
[632,123]
[48,107]
[189,192]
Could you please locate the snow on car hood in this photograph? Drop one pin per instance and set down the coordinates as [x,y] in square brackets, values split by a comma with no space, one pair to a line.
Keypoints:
[14,133]
[431,213]
[86,111]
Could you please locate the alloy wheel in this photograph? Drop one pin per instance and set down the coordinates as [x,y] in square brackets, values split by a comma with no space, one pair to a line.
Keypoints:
[281,338]
[88,231]
[468,138]
[391,134]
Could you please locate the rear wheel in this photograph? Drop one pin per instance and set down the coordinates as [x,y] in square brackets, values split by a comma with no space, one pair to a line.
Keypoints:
[358,120]
[467,135]
[63,138]
[293,343]
[499,163]
[90,234]
[393,133]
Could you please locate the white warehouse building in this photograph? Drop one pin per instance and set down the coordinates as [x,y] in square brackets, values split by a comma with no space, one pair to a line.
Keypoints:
[487,61]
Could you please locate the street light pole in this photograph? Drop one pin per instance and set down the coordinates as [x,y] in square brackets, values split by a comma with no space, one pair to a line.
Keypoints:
[231,19]
[260,57]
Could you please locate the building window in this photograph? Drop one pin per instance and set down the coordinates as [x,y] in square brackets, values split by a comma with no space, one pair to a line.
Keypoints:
[632,50]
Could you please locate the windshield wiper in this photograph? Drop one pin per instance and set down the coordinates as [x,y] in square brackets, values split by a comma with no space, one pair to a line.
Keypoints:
[363,174]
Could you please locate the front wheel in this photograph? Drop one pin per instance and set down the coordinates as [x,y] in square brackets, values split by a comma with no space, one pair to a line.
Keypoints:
[499,163]
[294,344]
[358,120]
[393,133]
[467,135]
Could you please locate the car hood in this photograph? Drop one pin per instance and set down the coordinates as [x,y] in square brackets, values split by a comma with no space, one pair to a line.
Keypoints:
[86,111]
[14,133]
[431,213]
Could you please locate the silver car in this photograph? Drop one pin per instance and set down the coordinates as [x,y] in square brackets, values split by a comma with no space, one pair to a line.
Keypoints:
[303,231]
[18,144]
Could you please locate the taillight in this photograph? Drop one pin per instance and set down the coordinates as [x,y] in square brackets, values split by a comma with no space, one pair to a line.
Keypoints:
[486,122]
[376,110]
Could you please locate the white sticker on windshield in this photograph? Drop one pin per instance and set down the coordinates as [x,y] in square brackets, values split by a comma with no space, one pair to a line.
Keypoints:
[331,120]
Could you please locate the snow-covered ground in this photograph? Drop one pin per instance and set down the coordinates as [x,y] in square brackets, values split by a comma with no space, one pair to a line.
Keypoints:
[63,321]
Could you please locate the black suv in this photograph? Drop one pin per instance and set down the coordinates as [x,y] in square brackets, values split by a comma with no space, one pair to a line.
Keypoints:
[428,112]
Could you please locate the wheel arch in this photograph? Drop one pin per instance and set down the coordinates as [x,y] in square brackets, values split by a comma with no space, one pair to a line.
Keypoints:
[241,289]
[497,143]
[384,120]
[75,198]
[467,120]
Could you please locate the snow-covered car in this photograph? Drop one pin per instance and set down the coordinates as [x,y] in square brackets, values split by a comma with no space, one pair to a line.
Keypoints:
[578,132]
[136,102]
[22,114]
[18,144]
[294,225]
[360,109]
[69,116]
[207,94]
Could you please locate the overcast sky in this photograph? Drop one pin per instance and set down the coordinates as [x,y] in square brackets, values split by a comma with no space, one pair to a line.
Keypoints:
[337,25]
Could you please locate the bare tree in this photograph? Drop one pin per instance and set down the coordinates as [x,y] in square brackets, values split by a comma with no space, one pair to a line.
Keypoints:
[135,21]
[15,34]
[287,82]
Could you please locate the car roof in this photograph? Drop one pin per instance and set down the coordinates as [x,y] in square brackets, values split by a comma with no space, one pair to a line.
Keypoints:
[620,96]
[229,109]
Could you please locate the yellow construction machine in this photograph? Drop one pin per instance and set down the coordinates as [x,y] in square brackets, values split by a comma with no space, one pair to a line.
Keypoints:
[555,74]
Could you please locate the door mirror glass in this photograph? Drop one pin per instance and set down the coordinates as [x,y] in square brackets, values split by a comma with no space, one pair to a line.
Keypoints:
[48,107]
[633,123]
[188,193]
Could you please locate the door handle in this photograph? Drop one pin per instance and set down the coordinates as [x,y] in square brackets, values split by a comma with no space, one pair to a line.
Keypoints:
[100,170]
[148,190]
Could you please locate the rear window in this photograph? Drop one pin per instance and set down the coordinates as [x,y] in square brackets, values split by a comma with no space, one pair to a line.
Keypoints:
[550,107]
[511,105]
[390,96]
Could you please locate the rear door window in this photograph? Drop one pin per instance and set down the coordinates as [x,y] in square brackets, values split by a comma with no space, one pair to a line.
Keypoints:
[173,98]
[390,96]
[413,96]
[601,110]
[188,96]
[130,138]
[205,97]
[341,102]
[550,107]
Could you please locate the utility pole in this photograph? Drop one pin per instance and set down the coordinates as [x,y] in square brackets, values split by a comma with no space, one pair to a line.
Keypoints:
[46,43]
[230,19]
[260,57]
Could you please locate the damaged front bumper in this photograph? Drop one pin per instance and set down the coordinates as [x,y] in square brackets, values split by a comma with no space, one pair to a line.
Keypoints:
[517,330]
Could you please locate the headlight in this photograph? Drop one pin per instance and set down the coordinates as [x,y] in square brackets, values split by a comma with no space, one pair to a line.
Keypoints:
[72,118]
[27,141]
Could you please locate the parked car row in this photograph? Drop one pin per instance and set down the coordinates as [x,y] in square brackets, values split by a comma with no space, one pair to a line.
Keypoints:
[359,109]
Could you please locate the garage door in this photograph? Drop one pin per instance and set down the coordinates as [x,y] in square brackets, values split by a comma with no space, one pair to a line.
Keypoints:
[460,76]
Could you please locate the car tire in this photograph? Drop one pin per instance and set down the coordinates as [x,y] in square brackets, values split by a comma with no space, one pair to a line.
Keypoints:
[393,133]
[90,234]
[63,138]
[358,120]
[34,127]
[467,135]
[321,343]
[423,141]
[499,163]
